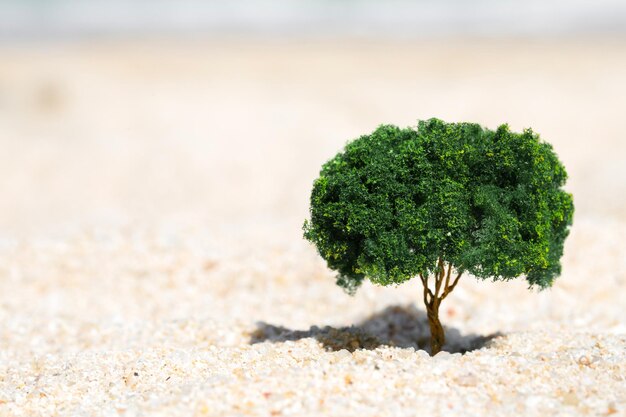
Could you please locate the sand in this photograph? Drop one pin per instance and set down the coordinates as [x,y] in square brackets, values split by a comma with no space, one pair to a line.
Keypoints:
[151,258]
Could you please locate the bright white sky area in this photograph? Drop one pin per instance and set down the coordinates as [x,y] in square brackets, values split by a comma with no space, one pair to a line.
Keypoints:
[317,18]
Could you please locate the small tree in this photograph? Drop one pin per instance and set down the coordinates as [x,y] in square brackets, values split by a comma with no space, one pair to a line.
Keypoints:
[439,201]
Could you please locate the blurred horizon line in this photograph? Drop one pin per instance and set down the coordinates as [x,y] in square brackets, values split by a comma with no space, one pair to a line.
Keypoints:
[396,19]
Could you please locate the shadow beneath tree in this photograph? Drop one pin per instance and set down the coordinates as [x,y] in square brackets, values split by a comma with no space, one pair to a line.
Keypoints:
[399,326]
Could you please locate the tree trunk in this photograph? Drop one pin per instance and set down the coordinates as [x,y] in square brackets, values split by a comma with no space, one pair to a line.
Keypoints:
[437,335]
[433,299]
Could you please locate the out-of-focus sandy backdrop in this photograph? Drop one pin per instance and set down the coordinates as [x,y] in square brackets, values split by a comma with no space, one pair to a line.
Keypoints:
[153,186]
[234,132]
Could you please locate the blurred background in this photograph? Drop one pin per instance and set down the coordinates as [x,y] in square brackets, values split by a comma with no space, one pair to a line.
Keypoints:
[219,114]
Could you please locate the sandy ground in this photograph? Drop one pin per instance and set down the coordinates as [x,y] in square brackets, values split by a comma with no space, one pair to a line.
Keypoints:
[151,258]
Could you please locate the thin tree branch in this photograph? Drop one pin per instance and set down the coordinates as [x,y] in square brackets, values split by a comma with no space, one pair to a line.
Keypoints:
[439,277]
[423,280]
[456,281]
[427,290]
[445,287]
[451,287]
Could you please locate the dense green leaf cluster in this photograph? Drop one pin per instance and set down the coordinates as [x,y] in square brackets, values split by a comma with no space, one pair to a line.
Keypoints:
[487,202]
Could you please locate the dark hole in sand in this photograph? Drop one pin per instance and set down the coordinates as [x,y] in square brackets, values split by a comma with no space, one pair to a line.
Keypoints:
[399,326]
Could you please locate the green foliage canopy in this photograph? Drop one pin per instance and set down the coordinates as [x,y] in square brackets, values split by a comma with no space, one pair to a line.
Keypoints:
[487,202]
